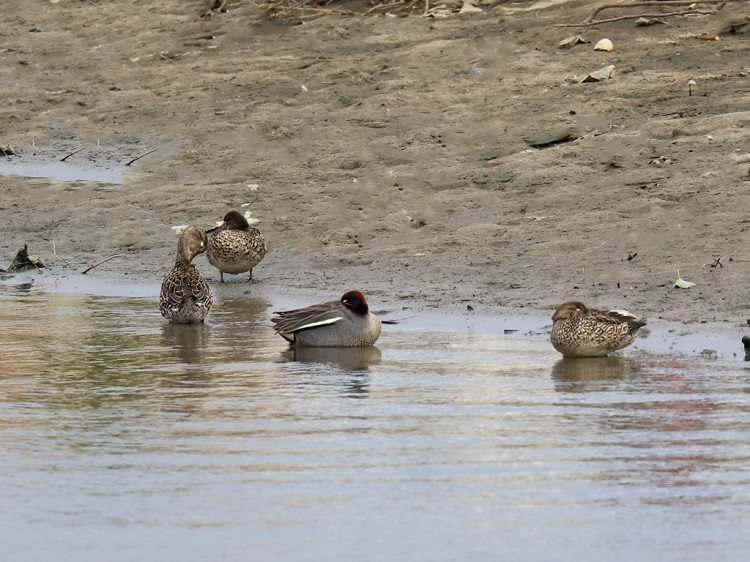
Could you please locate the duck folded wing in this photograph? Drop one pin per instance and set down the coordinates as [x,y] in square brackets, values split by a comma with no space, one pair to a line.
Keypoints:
[182,284]
[625,317]
[290,321]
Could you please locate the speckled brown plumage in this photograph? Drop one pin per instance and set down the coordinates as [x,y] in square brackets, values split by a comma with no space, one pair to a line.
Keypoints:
[185,296]
[578,331]
[235,246]
[347,322]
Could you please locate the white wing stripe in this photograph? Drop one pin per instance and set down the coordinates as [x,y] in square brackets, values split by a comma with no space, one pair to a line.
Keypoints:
[321,323]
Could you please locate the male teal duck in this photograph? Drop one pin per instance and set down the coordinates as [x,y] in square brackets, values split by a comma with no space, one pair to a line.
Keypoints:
[346,322]
[235,246]
[185,296]
[578,331]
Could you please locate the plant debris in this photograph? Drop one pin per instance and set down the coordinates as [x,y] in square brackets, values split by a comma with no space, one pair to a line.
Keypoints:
[572,41]
[690,9]
[23,261]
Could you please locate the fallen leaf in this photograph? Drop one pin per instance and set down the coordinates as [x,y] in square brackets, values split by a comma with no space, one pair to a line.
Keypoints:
[569,42]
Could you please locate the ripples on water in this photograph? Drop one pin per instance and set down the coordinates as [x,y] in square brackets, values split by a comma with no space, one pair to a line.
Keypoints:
[127,438]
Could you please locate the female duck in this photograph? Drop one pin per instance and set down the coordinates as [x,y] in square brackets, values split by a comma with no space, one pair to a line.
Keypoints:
[347,322]
[578,331]
[235,246]
[185,296]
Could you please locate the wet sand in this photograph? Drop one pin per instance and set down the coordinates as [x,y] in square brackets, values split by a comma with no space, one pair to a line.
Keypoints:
[391,154]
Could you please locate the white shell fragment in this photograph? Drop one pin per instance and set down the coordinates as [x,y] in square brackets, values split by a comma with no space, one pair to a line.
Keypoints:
[604,45]
[680,283]
[469,7]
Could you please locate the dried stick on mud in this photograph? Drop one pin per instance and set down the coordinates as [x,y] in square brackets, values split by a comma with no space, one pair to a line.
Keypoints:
[589,20]
[76,151]
[140,155]
[100,262]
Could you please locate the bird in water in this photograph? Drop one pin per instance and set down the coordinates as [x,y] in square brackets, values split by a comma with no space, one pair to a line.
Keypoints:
[578,331]
[235,246]
[346,322]
[185,296]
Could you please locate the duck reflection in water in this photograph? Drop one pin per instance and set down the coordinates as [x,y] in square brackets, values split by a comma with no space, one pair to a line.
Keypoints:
[343,358]
[352,362]
[188,342]
[592,369]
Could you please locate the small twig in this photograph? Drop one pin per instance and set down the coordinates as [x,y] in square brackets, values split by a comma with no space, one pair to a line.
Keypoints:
[76,151]
[383,7]
[54,251]
[100,262]
[652,3]
[141,155]
[589,20]
[636,16]
[166,58]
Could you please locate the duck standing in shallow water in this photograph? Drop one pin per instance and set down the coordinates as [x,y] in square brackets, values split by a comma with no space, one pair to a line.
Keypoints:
[235,246]
[185,296]
[347,322]
[578,331]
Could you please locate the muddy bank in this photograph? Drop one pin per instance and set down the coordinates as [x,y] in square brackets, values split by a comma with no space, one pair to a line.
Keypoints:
[391,154]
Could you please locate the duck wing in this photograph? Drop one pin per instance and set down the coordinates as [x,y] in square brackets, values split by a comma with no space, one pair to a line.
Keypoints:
[616,317]
[183,283]
[290,321]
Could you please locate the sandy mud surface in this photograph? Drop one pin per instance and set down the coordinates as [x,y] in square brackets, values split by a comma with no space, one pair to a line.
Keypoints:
[391,154]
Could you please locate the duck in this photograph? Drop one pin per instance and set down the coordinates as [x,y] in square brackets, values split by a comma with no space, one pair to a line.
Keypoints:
[578,331]
[346,322]
[185,296]
[235,246]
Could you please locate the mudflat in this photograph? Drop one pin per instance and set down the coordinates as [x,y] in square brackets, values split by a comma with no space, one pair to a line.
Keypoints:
[412,158]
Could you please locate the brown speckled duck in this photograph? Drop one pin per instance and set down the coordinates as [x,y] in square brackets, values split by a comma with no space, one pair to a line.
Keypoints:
[185,296]
[347,322]
[235,246]
[578,331]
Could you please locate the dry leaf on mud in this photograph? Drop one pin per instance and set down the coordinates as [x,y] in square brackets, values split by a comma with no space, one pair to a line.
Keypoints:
[571,41]
[604,73]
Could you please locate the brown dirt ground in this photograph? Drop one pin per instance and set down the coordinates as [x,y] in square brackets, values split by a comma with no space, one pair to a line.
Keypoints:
[396,169]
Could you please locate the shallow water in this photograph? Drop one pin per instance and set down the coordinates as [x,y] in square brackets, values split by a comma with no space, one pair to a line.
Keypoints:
[70,172]
[125,438]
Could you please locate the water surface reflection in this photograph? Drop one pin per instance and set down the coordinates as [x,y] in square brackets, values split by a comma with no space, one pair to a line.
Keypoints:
[205,442]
